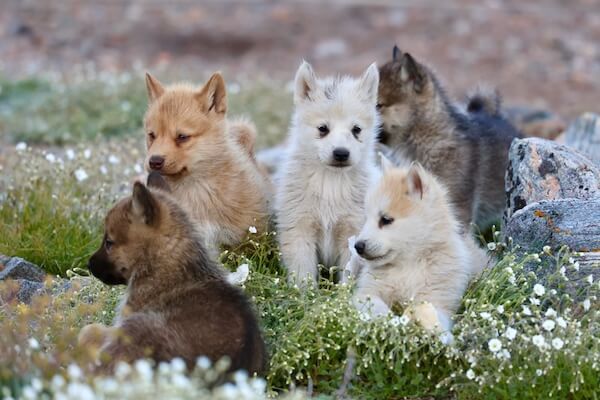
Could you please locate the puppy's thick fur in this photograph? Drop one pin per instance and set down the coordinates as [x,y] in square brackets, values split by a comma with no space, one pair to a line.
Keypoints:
[178,303]
[327,169]
[207,160]
[467,151]
[411,248]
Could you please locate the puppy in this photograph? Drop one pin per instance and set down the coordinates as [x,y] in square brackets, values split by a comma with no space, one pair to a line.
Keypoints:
[178,302]
[327,168]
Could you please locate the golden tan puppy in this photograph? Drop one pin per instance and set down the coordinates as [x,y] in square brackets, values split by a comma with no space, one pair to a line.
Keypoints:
[207,160]
[178,303]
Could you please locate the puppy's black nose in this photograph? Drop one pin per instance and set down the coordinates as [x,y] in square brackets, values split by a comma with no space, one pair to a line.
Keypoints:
[360,246]
[341,154]
[156,162]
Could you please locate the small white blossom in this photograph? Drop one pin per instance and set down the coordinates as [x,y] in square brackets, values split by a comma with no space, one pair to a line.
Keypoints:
[404,319]
[113,159]
[203,362]
[122,370]
[550,313]
[70,154]
[485,315]
[74,371]
[239,276]
[538,372]
[590,279]
[178,365]
[526,310]
[103,170]
[395,321]
[51,157]
[500,309]
[546,249]
[557,343]
[494,345]
[548,325]
[80,391]
[470,374]
[510,333]
[505,354]
[586,304]
[534,301]
[538,289]
[571,260]
[81,175]
[561,322]
[576,266]
[252,229]
[138,169]
[512,280]
[491,246]
[87,153]
[21,146]
[144,370]
[33,343]
[539,341]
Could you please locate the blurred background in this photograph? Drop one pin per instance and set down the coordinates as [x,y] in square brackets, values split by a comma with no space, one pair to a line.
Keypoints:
[539,54]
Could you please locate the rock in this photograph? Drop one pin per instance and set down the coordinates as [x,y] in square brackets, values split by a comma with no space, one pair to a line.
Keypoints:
[544,170]
[584,135]
[535,122]
[17,268]
[28,289]
[571,222]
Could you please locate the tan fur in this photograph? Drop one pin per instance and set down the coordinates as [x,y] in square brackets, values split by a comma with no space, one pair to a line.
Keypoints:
[421,256]
[178,302]
[212,173]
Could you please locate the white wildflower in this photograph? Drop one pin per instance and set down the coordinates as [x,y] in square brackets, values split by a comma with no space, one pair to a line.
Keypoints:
[571,260]
[491,246]
[485,315]
[505,354]
[122,370]
[113,159]
[561,322]
[57,382]
[538,289]
[33,344]
[538,372]
[395,321]
[81,175]
[80,391]
[510,333]
[103,170]
[494,345]
[550,313]
[29,393]
[539,341]
[500,309]
[512,280]
[203,362]
[404,320]
[144,370]
[70,154]
[240,275]
[557,343]
[252,229]
[21,146]
[138,169]
[364,316]
[534,301]
[590,279]
[87,153]
[576,266]
[549,325]
[509,270]
[586,304]
[74,371]
[178,365]
[563,271]
[470,374]
[526,310]
[546,249]
[51,157]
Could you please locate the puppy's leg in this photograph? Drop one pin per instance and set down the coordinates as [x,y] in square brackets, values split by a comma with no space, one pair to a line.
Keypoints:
[372,305]
[92,337]
[344,242]
[425,314]
[299,253]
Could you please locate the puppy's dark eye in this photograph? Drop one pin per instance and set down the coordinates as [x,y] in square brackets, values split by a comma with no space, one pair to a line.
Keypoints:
[356,130]
[323,130]
[182,137]
[385,220]
[151,136]
[108,244]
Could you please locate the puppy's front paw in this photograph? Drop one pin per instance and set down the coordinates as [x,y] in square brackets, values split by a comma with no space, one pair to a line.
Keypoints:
[425,314]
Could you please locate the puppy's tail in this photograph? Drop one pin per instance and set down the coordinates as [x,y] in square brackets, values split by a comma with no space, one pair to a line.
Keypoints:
[484,100]
[244,133]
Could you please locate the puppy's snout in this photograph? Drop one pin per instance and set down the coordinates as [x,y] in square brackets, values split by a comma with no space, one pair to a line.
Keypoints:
[156,162]
[360,247]
[341,154]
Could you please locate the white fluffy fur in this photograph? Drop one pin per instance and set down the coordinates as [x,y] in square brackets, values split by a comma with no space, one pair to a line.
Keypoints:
[320,206]
[421,257]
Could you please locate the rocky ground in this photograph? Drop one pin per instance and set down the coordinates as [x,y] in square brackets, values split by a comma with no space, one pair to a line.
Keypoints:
[542,54]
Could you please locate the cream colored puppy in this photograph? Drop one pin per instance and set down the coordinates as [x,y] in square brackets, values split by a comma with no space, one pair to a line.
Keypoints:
[411,249]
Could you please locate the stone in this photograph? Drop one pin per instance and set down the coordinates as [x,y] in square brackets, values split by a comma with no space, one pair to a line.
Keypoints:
[17,268]
[540,169]
[566,222]
[533,122]
[28,289]
[584,135]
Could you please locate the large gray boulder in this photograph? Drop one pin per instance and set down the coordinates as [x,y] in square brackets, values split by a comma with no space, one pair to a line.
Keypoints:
[544,170]
[17,268]
[571,222]
[584,135]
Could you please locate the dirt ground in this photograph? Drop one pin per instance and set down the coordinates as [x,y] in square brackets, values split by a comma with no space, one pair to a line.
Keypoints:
[538,53]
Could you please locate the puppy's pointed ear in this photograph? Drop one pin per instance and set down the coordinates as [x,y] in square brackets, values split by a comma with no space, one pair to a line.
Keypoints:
[396,53]
[412,71]
[156,180]
[369,82]
[415,180]
[305,83]
[213,96]
[386,164]
[154,88]
[144,207]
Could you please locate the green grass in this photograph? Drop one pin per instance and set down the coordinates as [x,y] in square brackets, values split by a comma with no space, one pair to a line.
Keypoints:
[50,217]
